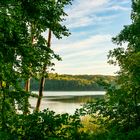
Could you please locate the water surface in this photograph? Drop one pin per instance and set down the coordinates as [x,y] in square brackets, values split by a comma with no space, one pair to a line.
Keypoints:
[66,101]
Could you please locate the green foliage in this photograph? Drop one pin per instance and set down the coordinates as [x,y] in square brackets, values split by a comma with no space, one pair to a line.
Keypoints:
[43,125]
[119,112]
[126,95]
[24,50]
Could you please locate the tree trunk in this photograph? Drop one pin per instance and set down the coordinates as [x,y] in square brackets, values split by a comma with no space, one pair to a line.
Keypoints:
[42,81]
[27,89]
[27,84]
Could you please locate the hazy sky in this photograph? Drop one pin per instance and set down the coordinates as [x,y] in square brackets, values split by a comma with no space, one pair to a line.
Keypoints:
[92,24]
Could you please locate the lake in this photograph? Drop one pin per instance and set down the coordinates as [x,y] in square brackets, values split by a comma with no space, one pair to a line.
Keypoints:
[66,101]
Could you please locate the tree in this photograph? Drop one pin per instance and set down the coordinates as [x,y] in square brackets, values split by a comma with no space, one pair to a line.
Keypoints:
[42,81]
[119,112]
[45,15]
[13,40]
[21,23]
[126,93]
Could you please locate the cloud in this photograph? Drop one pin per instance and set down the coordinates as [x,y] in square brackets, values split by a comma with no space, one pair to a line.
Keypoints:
[93,40]
[87,68]
[83,12]
[80,12]
[84,56]
[85,51]
[118,7]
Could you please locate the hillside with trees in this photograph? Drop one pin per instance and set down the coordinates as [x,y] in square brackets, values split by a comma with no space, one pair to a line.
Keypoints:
[56,82]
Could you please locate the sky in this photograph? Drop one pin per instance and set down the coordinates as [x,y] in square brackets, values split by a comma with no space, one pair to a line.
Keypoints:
[92,24]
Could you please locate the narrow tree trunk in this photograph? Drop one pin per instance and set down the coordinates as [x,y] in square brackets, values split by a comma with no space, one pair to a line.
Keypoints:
[42,81]
[27,84]
[49,38]
[27,89]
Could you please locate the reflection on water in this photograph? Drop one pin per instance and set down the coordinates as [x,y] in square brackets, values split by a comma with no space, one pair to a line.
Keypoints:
[73,99]
[66,102]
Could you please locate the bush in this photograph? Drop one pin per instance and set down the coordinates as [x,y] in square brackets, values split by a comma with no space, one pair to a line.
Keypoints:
[44,125]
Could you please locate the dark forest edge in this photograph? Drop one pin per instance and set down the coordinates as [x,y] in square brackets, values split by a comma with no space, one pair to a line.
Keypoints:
[64,82]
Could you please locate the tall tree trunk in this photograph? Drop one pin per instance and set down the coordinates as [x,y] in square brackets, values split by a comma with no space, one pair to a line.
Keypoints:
[42,81]
[26,105]
[27,83]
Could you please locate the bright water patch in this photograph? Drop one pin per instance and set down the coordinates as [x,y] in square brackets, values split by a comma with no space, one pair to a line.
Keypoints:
[66,101]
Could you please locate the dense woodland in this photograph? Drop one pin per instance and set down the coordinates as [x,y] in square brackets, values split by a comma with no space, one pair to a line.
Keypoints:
[56,82]
[25,54]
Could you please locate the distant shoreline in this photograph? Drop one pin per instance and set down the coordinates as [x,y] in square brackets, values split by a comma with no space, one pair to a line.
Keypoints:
[73,83]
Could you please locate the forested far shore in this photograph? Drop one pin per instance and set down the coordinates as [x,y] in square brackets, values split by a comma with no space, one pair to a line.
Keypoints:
[55,82]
